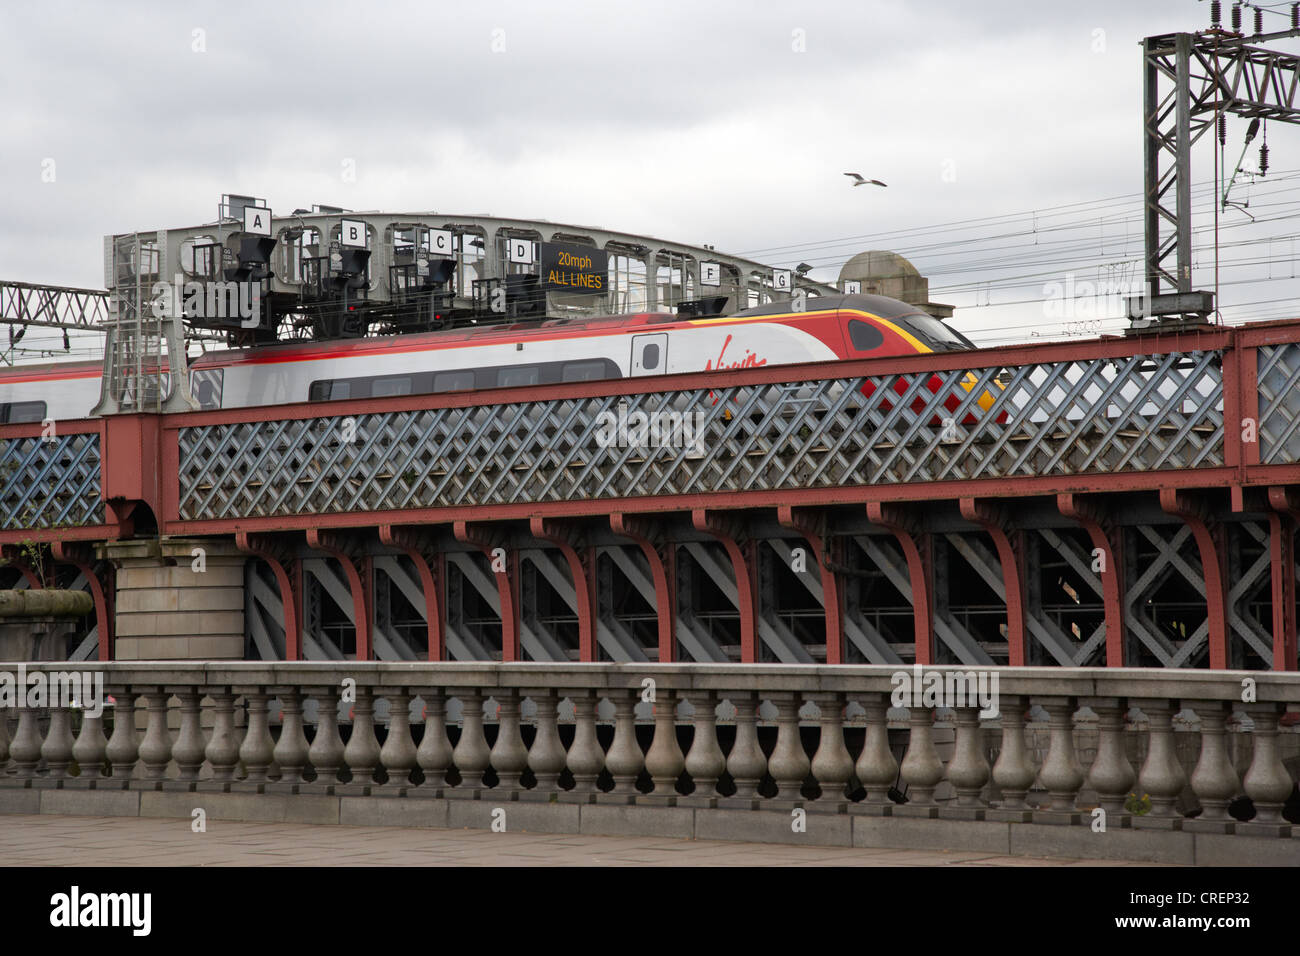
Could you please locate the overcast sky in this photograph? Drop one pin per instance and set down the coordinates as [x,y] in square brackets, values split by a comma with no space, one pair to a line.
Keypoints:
[722,123]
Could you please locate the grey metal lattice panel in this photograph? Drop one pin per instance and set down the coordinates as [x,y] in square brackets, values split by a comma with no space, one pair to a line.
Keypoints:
[1279,414]
[50,484]
[1106,415]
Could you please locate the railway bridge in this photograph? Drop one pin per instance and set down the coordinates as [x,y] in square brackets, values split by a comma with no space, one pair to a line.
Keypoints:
[500,585]
[1124,502]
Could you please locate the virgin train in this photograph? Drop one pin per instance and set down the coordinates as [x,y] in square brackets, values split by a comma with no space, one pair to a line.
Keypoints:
[549,351]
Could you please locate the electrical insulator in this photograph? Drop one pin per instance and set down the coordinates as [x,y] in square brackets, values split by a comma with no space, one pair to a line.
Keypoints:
[1295,16]
[1263,158]
[1236,18]
[1216,11]
[1259,21]
[1223,129]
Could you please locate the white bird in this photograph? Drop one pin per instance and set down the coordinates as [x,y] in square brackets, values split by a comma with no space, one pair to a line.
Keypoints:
[861,181]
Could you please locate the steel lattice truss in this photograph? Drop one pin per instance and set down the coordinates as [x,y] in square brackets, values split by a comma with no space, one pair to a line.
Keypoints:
[1137,413]
[50,483]
[1279,420]
[53,306]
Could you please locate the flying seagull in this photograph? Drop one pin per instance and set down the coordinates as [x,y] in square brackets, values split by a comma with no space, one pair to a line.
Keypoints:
[861,181]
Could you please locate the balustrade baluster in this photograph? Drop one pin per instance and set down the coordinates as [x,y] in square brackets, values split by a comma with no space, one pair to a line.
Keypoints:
[1111,774]
[56,750]
[831,765]
[1014,771]
[326,751]
[586,758]
[290,752]
[624,759]
[968,771]
[921,768]
[1162,777]
[156,748]
[222,751]
[508,757]
[664,760]
[188,750]
[471,756]
[123,750]
[746,762]
[362,751]
[705,760]
[434,753]
[1267,782]
[1214,779]
[876,767]
[88,751]
[398,752]
[4,741]
[546,755]
[257,750]
[26,747]
[1061,773]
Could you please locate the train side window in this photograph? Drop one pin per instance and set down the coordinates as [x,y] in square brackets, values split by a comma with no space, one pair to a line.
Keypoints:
[14,413]
[864,336]
[206,385]
[390,386]
[650,357]
[520,375]
[585,371]
[457,381]
[329,391]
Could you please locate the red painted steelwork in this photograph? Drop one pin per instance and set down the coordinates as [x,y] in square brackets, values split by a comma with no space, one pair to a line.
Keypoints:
[662,558]
[1209,538]
[734,500]
[419,546]
[279,556]
[1106,538]
[81,556]
[1282,521]
[581,558]
[489,539]
[813,528]
[918,551]
[740,550]
[359,571]
[1008,543]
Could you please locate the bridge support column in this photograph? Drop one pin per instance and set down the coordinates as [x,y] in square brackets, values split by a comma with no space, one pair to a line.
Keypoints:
[359,570]
[177,599]
[1209,543]
[663,570]
[1009,547]
[812,525]
[418,545]
[1282,520]
[920,569]
[581,558]
[740,549]
[1107,542]
[504,562]
[284,564]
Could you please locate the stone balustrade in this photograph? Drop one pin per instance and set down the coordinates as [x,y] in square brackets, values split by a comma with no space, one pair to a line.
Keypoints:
[763,752]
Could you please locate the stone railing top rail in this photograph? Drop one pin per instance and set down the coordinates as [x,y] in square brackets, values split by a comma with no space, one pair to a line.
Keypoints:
[1134,683]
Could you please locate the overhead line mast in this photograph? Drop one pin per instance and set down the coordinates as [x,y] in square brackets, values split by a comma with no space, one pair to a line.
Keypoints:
[1191,80]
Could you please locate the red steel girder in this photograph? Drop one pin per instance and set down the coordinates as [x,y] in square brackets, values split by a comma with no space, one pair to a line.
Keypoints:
[493,542]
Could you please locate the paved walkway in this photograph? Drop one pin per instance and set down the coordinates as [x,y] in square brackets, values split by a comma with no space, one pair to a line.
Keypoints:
[133,841]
